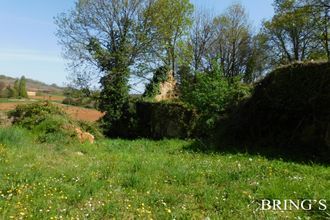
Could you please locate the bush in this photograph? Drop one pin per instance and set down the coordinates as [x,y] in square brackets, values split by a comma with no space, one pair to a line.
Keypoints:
[55,128]
[31,115]
[288,114]
[49,122]
[212,95]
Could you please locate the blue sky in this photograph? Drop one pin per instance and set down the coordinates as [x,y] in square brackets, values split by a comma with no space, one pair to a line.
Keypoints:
[28,45]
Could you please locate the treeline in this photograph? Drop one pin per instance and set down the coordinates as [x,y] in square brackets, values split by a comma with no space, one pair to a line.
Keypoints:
[18,90]
[213,58]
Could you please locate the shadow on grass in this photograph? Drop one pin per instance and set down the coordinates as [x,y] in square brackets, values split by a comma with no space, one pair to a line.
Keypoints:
[271,153]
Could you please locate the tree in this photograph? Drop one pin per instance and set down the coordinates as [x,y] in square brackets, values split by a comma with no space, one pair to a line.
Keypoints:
[22,93]
[258,59]
[292,32]
[11,92]
[321,13]
[107,37]
[200,39]
[232,42]
[15,92]
[169,21]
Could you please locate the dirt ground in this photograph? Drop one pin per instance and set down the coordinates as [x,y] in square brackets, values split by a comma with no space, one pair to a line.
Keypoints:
[84,114]
[75,112]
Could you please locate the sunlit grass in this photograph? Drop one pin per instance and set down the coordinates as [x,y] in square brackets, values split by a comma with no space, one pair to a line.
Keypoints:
[148,180]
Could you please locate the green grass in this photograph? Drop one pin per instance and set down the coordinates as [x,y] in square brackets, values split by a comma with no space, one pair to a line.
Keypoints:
[146,179]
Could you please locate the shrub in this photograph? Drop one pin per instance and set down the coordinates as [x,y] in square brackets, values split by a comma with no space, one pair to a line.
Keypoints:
[31,115]
[55,128]
[212,95]
[49,122]
[288,114]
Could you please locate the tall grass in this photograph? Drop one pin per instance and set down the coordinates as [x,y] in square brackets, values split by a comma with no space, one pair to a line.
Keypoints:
[15,136]
[145,179]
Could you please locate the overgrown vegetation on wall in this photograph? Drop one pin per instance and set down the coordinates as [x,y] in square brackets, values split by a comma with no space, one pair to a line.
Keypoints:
[156,120]
[288,114]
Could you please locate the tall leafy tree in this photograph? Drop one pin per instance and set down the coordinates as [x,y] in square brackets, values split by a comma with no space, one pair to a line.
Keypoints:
[11,92]
[169,20]
[321,13]
[232,43]
[200,39]
[15,92]
[292,32]
[107,37]
[22,88]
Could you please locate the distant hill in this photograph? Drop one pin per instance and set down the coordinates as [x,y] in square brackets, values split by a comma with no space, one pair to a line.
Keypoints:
[34,85]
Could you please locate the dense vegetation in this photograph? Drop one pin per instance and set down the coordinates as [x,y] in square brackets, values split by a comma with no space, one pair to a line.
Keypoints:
[288,115]
[225,101]
[16,91]
[144,38]
[49,123]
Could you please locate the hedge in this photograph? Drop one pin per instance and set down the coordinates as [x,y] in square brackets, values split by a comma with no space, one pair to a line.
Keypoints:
[288,115]
[155,120]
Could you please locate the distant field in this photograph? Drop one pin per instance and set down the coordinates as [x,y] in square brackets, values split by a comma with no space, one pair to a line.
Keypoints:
[78,113]
[49,97]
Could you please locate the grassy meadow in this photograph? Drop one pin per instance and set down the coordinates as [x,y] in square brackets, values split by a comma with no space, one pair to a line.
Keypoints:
[144,179]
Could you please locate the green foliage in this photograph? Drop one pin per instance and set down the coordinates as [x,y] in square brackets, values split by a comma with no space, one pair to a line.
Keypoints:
[155,120]
[212,95]
[170,20]
[31,115]
[49,122]
[298,31]
[160,76]
[55,128]
[114,85]
[287,115]
[165,120]
[114,98]
[113,47]
[16,88]
[22,88]
[18,91]
[6,93]
[12,93]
